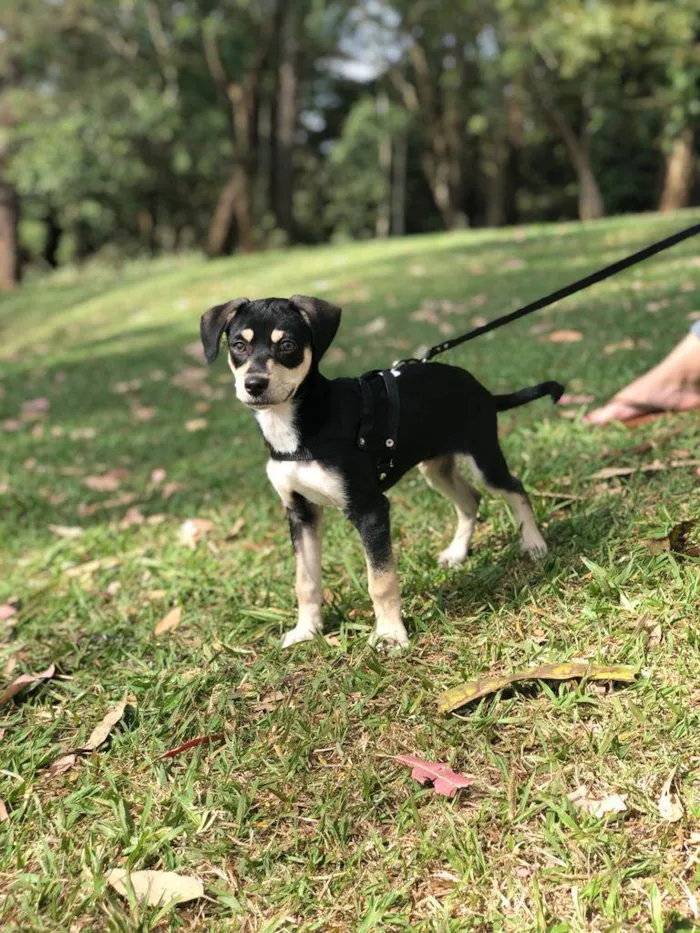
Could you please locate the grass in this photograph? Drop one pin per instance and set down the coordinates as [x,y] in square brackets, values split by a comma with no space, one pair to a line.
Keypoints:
[300,819]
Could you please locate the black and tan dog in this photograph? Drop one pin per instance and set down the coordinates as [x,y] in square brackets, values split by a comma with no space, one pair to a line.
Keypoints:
[344,442]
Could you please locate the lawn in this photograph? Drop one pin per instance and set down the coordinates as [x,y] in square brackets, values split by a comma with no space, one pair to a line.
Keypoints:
[296,816]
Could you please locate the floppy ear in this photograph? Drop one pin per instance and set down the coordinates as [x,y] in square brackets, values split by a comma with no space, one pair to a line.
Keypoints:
[322,317]
[214,322]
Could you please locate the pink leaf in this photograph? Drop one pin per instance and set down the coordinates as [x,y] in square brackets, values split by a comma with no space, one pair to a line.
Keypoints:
[445,781]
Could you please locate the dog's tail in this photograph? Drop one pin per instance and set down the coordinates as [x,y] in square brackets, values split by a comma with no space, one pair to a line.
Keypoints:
[523,396]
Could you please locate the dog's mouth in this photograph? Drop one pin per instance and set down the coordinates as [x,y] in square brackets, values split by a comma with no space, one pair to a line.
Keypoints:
[260,404]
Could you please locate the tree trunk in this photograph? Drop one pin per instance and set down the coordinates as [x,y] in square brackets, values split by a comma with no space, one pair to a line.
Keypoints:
[678,174]
[234,204]
[590,199]
[398,188]
[54,234]
[383,221]
[286,121]
[10,261]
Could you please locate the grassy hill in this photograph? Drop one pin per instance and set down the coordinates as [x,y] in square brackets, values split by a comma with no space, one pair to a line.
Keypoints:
[298,818]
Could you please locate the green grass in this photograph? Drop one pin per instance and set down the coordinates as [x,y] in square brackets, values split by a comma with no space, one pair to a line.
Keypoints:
[300,820]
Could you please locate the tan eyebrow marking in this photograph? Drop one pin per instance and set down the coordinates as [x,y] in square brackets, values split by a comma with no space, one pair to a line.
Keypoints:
[247,334]
[277,335]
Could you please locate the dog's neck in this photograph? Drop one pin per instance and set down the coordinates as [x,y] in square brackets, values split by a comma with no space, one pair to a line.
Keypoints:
[282,425]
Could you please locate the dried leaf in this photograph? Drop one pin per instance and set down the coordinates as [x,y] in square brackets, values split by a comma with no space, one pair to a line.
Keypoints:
[142,412]
[156,887]
[269,702]
[193,530]
[653,467]
[613,803]
[101,731]
[158,476]
[669,804]
[193,743]
[568,670]
[7,611]
[101,563]
[170,489]
[236,529]
[377,326]
[36,405]
[196,424]
[564,336]
[445,781]
[25,680]
[66,531]
[133,516]
[4,815]
[62,764]
[626,344]
[168,622]
[107,482]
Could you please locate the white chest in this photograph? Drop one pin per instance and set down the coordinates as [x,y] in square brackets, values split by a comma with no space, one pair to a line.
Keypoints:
[308,478]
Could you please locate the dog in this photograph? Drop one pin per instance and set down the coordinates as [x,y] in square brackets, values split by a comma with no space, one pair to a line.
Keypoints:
[344,442]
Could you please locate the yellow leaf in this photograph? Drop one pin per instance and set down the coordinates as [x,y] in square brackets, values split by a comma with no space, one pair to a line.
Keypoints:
[156,887]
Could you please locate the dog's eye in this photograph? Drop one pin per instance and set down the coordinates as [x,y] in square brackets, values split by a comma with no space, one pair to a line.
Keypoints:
[239,346]
[286,346]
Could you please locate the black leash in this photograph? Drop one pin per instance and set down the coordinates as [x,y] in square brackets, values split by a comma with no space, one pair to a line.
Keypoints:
[550,299]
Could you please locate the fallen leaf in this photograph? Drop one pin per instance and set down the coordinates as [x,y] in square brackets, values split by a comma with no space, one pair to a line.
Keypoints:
[568,670]
[158,476]
[101,563]
[445,781]
[626,344]
[156,887]
[195,351]
[107,482]
[269,702]
[196,424]
[193,743]
[564,336]
[170,489]
[156,519]
[4,815]
[7,611]
[36,405]
[82,434]
[669,804]
[133,516]
[653,467]
[66,531]
[613,803]
[102,730]
[168,622]
[377,326]
[193,530]
[62,764]
[142,412]
[25,680]
[12,424]
[236,529]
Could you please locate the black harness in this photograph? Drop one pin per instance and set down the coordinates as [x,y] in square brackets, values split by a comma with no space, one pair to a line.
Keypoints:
[377,432]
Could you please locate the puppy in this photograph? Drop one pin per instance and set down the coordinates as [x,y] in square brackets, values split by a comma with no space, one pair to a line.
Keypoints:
[345,442]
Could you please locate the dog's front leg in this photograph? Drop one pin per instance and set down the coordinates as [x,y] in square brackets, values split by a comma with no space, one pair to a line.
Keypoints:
[375,531]
[305,526]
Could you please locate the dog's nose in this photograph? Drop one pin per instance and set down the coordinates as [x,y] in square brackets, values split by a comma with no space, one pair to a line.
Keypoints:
[256,385]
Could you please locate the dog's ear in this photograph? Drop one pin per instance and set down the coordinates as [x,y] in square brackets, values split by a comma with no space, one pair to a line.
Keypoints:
[322,317]
[214,322]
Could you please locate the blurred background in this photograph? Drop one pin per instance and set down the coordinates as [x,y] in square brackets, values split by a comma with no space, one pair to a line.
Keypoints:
[133,127]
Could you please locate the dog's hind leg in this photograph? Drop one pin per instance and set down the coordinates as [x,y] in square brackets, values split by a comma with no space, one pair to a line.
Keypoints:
[305,527]
[372,522]
[490,466]
[442,474]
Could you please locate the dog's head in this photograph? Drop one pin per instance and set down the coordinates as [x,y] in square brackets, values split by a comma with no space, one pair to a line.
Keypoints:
[273,343]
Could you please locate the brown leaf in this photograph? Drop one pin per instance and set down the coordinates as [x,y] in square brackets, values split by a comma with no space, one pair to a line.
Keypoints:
[142,412]
[236,529]
[193,743]
[36,405]
[613,803]
[196,424]
[156,887]
[568,670]
[445,781]
[25,680]
[564,336]
[158,476]
[107,482]
[612,472]
[11,424]
[193,530]
[168,622]
[6,612]
[170,489]
[269,702]
[66,531]
[626,344]
[133,516]
[101,563]
[62,764]
[4,815]
[102,730]
[82,434]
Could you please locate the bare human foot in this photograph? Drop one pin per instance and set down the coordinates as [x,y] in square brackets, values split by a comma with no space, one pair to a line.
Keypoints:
[672,385]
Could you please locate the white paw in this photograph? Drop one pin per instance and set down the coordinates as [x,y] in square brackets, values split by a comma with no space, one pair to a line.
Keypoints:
[393,639]
[452,556]
[534,546]
[296,635]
